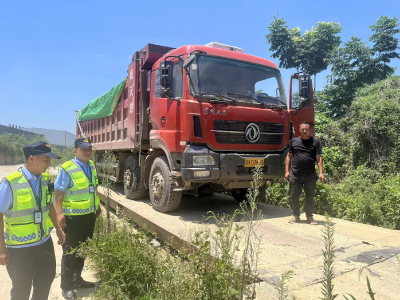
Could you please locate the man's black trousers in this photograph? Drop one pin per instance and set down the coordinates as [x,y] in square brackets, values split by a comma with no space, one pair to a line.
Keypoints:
[32,266]
[297,183]
[78,229]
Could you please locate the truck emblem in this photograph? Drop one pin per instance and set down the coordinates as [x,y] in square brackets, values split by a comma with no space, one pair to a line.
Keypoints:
[252,133]
[218,112]
[212,111]
[224,112]
[206,111]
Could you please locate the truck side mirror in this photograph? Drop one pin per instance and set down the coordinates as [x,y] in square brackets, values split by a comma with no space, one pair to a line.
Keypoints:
[304,96]
[305,86]
[166,79]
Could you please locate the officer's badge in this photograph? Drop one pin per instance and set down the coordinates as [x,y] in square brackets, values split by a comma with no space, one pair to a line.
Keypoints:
[86,140]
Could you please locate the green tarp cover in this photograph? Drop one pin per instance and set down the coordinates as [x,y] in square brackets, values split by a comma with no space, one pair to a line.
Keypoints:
[102,106]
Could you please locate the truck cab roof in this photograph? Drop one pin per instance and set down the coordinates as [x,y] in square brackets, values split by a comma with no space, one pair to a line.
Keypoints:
[185,50]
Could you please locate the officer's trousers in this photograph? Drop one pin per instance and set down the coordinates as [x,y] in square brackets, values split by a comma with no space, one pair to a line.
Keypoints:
[78,229]
[32,266]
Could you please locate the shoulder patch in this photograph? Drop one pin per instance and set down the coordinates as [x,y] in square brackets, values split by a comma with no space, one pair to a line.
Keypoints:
[14,175]
[46,176]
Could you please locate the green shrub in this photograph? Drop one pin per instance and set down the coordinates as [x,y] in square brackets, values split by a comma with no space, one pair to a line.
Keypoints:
[373,126]
[130,267]
[365,196]
[279,194]
[65,153]
[13,144]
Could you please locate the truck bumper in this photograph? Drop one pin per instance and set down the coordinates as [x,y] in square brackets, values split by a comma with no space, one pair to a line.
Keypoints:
[229,167]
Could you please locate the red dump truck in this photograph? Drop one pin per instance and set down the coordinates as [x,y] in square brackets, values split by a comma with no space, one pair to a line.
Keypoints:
[196,120]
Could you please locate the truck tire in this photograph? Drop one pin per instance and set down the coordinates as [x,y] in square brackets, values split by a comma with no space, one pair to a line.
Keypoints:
[240,195]
[161,187]
[132,187]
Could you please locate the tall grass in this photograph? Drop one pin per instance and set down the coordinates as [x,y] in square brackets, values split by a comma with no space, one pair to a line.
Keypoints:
[328,255]
[107,168]
[282,288]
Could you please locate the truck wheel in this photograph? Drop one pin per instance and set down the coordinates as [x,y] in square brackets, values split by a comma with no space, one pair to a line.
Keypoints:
[240,195]
[161,187]
[132,187]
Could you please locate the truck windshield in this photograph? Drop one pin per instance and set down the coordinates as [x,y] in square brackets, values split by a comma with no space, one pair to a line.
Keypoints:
[244,82]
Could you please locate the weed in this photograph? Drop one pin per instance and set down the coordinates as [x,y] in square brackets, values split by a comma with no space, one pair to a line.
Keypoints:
[370,292]
[251,217]
[282,288]
[329,257]
[107,169]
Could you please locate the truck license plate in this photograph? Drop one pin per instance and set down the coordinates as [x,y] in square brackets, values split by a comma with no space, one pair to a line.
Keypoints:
[253,162]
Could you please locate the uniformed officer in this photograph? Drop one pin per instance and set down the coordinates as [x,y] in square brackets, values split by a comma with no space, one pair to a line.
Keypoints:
[78,206]
[27,215]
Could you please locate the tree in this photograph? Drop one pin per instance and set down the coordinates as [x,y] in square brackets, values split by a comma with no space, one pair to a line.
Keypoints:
[356,64]
[283,43]
[309,52]
[373,126]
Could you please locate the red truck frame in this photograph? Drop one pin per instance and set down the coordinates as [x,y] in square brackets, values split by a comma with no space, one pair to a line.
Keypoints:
[191,121]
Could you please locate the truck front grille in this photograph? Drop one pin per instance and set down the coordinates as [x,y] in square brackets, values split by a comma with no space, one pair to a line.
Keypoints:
[233,132]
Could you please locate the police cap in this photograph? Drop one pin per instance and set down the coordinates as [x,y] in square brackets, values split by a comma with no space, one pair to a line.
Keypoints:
[83,143]
[39,148]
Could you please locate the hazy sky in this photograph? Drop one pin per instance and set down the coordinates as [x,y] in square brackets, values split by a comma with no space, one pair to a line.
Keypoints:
[56,56]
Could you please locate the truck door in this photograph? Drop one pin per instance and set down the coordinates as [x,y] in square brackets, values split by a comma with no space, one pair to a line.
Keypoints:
[301,102]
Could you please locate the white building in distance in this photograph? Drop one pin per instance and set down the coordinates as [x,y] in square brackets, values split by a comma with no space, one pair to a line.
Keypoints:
[55,137]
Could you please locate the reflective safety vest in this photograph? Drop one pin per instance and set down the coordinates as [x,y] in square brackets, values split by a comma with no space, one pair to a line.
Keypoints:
[81,198]
[19,221]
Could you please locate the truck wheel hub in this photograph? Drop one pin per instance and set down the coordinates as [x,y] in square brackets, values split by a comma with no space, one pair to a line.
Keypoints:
[158,185]
[128,178]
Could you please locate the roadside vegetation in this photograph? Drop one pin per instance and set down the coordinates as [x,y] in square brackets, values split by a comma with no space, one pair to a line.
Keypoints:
[65,153]
[13,144]
[356,118]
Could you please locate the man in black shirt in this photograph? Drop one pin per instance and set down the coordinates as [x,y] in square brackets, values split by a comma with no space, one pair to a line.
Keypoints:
[304,151]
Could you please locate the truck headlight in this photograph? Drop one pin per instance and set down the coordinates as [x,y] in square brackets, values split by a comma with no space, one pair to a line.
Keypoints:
[203,160]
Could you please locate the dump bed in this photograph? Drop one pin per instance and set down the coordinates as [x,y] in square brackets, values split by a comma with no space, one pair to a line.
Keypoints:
[126,127]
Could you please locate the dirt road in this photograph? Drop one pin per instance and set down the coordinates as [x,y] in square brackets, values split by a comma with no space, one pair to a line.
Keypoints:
[55,292]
